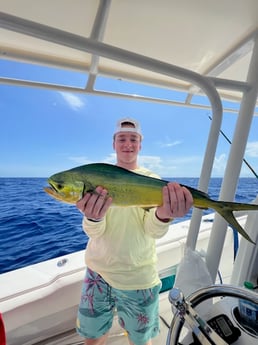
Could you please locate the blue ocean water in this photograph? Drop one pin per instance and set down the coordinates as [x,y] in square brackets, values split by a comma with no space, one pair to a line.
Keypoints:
[34,227]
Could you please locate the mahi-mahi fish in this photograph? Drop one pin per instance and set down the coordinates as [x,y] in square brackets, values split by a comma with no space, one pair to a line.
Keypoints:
[131,189]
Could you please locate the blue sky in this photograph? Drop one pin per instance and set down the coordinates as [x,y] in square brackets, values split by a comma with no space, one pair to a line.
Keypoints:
[43,132]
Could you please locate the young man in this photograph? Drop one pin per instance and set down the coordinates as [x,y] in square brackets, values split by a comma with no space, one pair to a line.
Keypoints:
[121,255]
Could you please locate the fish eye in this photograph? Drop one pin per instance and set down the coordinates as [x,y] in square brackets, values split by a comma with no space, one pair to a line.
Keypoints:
[60,186]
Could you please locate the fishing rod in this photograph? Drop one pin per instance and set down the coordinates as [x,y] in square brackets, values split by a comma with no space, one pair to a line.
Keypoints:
[244,160]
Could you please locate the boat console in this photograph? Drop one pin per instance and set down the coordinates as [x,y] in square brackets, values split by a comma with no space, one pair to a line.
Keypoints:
[222,325]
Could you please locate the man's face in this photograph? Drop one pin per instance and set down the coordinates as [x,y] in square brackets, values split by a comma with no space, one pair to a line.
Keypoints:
[127,146]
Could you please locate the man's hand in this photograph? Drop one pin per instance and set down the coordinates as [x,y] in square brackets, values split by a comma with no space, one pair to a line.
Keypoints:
[177,201]
[95,205]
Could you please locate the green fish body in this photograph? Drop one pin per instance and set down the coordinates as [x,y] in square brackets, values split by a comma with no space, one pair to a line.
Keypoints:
[130,189]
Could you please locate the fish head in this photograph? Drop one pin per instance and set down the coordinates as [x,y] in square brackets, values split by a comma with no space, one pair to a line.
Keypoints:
[65,187]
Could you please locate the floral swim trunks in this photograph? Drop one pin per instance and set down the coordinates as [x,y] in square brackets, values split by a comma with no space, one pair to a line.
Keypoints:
[138,310]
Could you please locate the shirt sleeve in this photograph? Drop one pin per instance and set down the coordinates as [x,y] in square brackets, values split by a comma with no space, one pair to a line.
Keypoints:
[94,229]
[153,226]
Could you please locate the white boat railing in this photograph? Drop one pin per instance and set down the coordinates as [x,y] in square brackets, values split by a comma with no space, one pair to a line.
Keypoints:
[235,160]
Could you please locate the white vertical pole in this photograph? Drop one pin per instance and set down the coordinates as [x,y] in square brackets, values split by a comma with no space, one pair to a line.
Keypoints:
[235,159]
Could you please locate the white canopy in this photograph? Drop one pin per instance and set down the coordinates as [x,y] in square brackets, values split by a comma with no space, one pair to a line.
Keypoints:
[213,38]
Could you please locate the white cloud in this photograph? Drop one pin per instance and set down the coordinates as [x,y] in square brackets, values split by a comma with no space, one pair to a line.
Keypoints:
[73,101]
[169,167]
[110,159]
[220,164]
[153,160]
[164,167]
[169,143]
[81,160]
[153,163]
[252,149]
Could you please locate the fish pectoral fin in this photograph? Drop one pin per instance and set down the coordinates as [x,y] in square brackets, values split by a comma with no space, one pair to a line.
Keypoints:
[86,189]
[230,218]
[83,191]
[147,209]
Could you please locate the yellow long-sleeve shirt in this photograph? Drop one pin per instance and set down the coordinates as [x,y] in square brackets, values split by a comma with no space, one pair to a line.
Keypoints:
[121,247]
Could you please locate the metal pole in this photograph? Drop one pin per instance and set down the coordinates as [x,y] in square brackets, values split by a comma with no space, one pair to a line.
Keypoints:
[235,159]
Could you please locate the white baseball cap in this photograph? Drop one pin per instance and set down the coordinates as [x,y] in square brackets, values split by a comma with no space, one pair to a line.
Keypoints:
[135,126]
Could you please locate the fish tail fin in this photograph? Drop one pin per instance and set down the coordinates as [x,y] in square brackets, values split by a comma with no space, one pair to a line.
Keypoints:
[225,209]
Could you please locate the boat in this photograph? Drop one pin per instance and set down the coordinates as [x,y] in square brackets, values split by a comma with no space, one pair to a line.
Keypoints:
[202,48]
